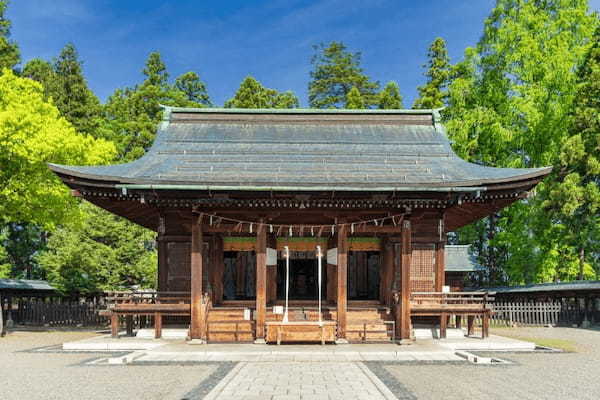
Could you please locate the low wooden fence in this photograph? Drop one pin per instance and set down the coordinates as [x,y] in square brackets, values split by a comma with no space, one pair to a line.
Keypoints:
[538,314]
[42,313]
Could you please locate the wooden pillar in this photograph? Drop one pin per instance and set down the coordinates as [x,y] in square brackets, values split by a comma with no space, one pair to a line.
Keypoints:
[157,325]
[163,265]
[342,281]
[198,323]
[405,323]
[331,276]
[440,266]
[261,282]
[114,325]
[218,268]
[387,269]
[470,325]
[443,325]
[271,272]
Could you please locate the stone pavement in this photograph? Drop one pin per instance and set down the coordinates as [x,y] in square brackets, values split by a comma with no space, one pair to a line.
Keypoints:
[300,380]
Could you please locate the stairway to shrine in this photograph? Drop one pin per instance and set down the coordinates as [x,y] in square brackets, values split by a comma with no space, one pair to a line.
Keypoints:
[369,324]
[227,324]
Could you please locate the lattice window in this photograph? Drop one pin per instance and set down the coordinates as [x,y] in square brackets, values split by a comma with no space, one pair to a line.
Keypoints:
[422,268]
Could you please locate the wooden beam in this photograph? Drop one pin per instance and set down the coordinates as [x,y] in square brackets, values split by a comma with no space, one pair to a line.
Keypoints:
[198,322]
[342,281]
[440,266]
[261,282]
[405,323]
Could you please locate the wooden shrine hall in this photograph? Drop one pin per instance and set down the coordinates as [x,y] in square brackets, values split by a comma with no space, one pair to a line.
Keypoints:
[299,225]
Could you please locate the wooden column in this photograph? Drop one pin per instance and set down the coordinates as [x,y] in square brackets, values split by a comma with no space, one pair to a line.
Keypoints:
[218,268]
[440,266]
[261,282]
[342,281]
[163,266]
[271,272]
[405,323]
[386,272]
[331,276]
[198,323]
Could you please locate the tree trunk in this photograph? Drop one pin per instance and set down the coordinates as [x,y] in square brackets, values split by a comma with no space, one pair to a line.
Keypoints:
[581,262]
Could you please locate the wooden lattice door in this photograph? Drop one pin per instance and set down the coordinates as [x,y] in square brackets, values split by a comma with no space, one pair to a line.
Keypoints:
[422,268]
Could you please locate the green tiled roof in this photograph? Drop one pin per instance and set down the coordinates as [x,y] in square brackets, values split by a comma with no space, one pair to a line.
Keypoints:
[25,285]
[458,259]
[233,149]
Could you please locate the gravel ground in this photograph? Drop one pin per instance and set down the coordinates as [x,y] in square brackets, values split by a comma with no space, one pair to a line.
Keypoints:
[532,376]
[38,375]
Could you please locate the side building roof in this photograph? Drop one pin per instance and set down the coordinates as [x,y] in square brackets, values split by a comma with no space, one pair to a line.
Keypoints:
[458,259]
[299,149]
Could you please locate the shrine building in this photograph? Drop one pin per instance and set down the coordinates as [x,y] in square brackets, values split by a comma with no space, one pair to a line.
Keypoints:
[300,224]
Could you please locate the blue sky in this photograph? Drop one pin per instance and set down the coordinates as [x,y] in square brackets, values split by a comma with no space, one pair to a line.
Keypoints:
[224,41]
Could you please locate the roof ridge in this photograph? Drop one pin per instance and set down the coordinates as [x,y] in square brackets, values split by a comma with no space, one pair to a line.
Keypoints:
[222,110]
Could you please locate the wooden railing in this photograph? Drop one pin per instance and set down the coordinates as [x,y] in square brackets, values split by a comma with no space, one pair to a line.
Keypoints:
[451,299]
[116,298]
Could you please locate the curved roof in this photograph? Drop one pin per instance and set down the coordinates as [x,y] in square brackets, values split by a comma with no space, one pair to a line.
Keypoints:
[243,149]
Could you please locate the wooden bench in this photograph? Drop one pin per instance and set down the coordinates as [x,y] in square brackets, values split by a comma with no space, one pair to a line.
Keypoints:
[154,304]
[459,304]
[301,331]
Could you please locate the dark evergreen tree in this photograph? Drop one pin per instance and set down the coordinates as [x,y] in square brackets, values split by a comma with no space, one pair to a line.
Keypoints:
[252,94]
[390,97]
[335,72]
[433,94]
[194,89]
[9,51]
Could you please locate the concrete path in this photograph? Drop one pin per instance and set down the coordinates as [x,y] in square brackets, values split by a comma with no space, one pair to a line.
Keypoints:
[300,380]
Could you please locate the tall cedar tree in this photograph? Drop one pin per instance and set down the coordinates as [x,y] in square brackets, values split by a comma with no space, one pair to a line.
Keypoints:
[390,97]
[132,114]
[433,93]
[510,105]
[335,72]
[252,94]
[71,94]
[9,51]
[575,200]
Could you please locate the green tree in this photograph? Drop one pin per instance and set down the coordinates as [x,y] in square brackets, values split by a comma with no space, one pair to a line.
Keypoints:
[132,114]
[509,105]
[41,71]
[9,51]
[21,242]
[100,252]
[335,72]
[574,201]
[252,94]
[390,97]
[32,133]
[433,93]
[354,100]
[194,89]
[70,92]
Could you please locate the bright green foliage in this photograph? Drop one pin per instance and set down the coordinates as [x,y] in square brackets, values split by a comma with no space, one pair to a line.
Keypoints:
[335,72]
[433,93]
[390,97]
[5,267]
[510,105]
[132,114]
[194,89]
[32,133]
[252,94]
[354,100]
[9,51]
[101,252]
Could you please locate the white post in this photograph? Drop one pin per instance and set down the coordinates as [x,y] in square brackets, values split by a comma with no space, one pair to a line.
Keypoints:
[287,282]
[319,274]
